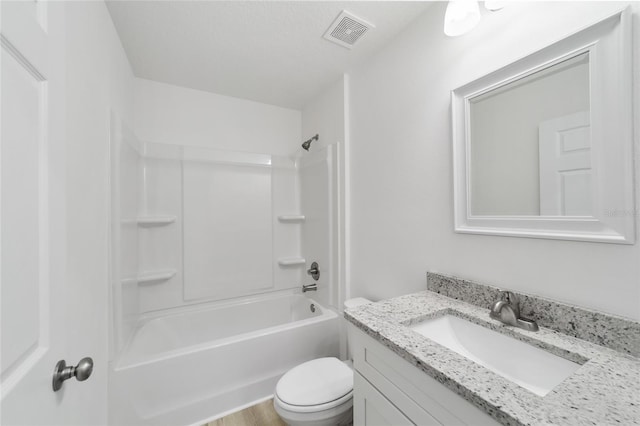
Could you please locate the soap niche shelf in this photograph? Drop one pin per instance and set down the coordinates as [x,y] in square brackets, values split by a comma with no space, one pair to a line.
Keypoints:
[291,261]
[158,220]
[291,218]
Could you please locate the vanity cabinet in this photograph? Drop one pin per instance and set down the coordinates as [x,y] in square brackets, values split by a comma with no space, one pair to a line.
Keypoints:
[390,391]
[370,407]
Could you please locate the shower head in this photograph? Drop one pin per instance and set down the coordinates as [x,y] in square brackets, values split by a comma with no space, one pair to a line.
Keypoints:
[306,144]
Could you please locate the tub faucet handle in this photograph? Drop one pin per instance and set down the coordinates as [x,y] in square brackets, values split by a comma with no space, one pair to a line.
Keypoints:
[314,271]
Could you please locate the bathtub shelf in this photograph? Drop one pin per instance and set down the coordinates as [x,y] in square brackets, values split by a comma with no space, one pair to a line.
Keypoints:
[156,276]
[291,218]
[148,221]
[291,261]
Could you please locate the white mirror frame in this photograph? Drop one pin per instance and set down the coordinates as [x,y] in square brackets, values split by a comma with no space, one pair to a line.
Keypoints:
[608,43]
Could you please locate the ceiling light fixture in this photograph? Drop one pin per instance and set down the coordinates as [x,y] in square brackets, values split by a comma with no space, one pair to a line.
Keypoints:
[461,17]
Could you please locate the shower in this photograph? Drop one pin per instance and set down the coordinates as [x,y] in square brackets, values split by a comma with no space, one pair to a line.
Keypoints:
[185,306]
[306,144]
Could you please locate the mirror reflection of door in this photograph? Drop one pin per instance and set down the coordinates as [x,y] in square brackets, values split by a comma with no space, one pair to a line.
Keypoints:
[514,169]
[565,166]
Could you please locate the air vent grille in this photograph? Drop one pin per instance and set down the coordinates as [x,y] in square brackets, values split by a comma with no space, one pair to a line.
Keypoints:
[347,29]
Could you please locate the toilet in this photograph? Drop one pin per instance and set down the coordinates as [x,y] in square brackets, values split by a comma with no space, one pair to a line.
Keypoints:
[318,392]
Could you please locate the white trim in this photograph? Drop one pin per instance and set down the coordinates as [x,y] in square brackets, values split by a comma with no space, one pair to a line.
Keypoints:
[13,51]
[344,209]
[608,43]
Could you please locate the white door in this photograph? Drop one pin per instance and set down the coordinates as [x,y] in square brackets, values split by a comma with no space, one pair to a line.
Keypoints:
[565,166]
[32,216]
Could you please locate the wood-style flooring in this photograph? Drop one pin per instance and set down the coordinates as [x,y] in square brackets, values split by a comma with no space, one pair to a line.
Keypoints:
[262,414]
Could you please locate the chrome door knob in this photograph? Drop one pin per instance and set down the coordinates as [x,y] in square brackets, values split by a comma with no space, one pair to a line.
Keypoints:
[81,372]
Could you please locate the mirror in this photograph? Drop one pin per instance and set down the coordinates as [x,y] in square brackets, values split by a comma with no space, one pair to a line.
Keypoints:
[530,145]
[543,146]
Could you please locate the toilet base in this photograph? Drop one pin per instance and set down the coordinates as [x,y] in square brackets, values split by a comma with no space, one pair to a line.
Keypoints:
[341,415]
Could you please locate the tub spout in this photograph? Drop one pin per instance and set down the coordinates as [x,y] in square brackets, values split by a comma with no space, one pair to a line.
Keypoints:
[309,287]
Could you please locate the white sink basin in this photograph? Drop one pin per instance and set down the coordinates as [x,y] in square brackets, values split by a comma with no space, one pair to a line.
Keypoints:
[532,368]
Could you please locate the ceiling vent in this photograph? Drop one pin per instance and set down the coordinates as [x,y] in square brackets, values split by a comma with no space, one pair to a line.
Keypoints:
[347,29]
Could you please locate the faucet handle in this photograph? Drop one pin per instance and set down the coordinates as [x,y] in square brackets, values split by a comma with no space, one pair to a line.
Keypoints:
[512,299]
[314,271]
[508,296]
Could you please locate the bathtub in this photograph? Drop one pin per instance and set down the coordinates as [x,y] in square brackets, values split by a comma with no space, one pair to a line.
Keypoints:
[186,368]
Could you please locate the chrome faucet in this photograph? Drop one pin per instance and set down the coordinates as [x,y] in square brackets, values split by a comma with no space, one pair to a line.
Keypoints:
[507,311]
[309,287]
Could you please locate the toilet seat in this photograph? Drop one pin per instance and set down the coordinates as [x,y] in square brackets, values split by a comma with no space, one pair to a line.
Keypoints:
[316,385]
[315,408]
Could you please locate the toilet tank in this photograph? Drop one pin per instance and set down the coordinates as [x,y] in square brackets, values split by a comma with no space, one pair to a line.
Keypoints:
[356,301]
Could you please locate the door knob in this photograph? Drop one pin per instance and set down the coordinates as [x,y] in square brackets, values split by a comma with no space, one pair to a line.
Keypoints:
[81,372]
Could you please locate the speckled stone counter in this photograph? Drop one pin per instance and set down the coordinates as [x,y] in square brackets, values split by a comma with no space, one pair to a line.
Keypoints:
[605,390]
[613,332]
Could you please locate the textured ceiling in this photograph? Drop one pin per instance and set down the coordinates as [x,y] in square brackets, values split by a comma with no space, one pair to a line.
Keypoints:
[267,51]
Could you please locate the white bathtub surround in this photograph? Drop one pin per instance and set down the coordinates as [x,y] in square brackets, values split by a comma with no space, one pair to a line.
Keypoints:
[207,312]
[214,218]
[228,238]
[320,237]
[326,115]
[184,368]
[604,390]
[124,229]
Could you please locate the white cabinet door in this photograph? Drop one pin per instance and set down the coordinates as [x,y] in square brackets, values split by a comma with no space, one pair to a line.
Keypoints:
[371,408]
[32,215]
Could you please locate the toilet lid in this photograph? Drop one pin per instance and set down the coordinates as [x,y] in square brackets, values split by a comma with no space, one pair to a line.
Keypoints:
[316,382]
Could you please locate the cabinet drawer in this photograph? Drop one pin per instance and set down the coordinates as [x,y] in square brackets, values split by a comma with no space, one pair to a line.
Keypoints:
[420,397]
[371,408]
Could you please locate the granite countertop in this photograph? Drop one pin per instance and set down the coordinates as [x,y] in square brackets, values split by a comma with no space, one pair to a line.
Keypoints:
[605,390]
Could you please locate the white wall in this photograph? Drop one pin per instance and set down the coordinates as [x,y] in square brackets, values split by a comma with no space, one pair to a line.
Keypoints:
[98,78]
[177,115]
[401,173]
[324,115]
